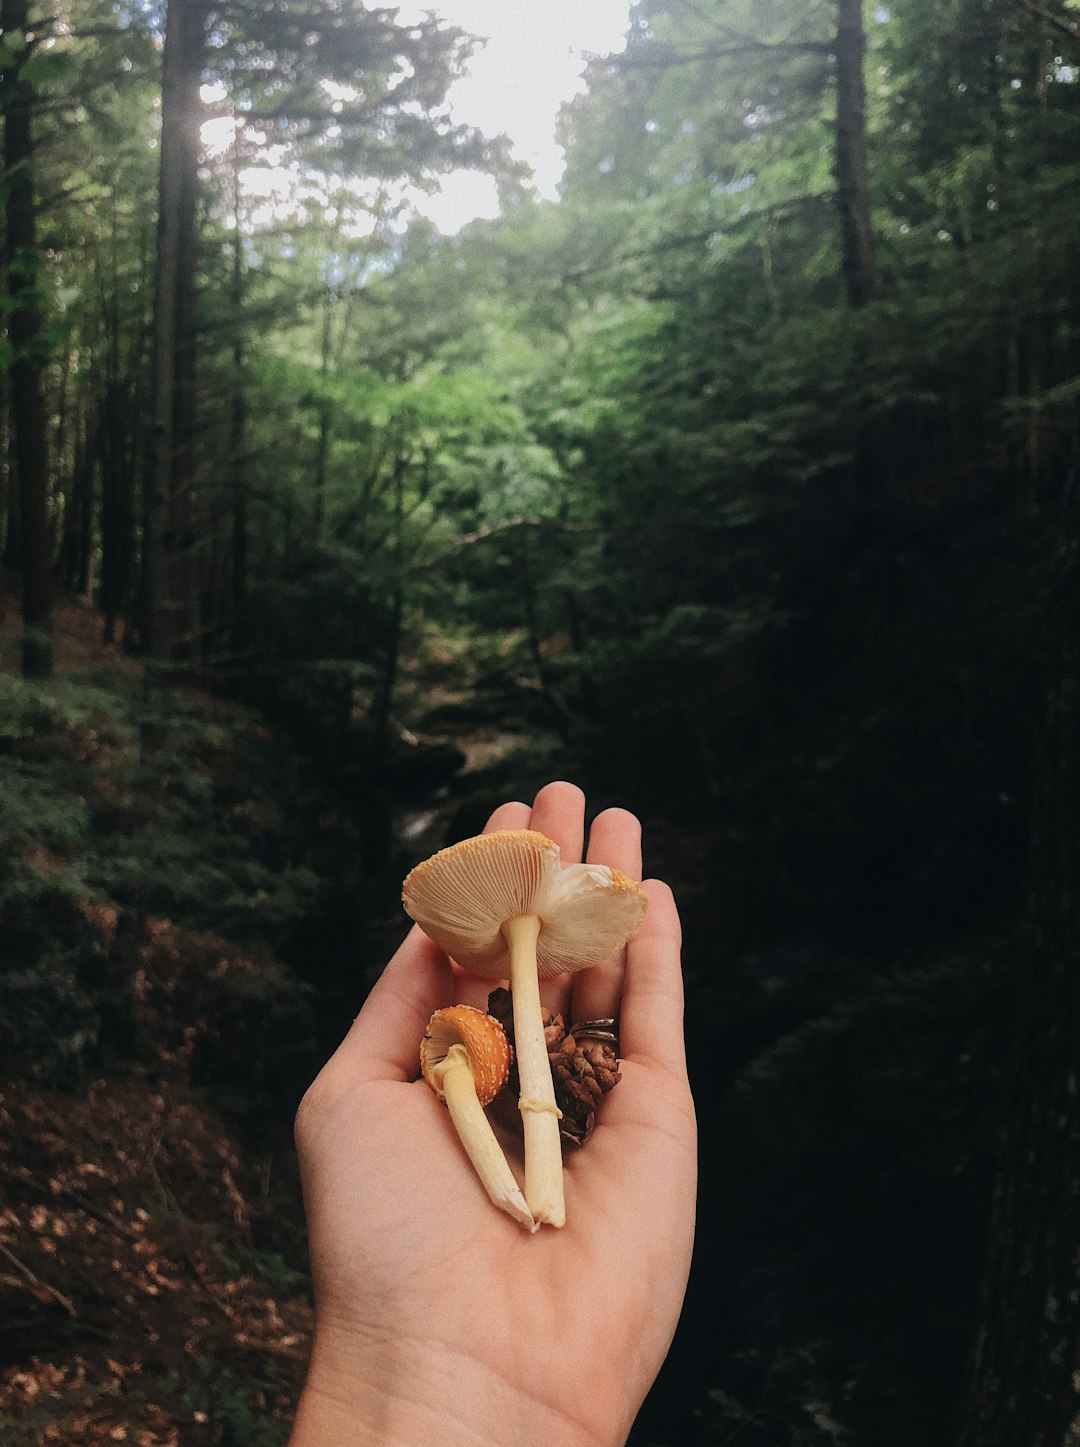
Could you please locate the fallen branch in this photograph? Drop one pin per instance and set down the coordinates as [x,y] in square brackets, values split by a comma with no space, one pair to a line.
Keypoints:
[36,1281]
[521,521]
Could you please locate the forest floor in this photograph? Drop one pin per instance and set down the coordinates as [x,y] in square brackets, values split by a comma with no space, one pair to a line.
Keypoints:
[77,637]
[150,1226]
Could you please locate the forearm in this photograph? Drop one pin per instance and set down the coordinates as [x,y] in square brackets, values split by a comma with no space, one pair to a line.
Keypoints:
[388,1395]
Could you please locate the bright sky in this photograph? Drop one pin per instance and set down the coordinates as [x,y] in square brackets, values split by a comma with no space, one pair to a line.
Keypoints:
[532,63]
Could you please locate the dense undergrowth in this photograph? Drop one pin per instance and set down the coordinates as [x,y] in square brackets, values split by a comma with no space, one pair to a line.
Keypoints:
[159,850]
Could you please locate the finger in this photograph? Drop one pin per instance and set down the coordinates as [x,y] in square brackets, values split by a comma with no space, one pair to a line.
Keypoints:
[559,812]
[384,1041]
[508,816]
[651,1021]
[614,839]
[470,989]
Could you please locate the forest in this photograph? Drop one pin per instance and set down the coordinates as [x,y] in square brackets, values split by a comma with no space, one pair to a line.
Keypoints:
[739,486]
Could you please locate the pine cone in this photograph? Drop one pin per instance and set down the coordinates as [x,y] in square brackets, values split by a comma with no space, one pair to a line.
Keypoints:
[583,1074]
[501,1005]
[583,1071]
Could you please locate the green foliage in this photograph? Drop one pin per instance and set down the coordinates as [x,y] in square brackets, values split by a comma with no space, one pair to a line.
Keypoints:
[133,795]
[127,811]
[235,1406]
[45,69]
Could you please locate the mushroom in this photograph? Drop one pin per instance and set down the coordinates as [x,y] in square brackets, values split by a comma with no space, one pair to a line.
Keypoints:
[465,1058]
[502,905]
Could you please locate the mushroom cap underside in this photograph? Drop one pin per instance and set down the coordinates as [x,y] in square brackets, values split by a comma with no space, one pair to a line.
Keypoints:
[484,1041]
[463,896]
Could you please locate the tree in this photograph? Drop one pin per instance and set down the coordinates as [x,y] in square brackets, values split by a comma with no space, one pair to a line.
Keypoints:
[170,626]
[852,187]
[92,108]
[344,98]
[26,333]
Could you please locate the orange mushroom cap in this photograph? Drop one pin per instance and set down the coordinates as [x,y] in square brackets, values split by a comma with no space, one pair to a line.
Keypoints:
[485,1043]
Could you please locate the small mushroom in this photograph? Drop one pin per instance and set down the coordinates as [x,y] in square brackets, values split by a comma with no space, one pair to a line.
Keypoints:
[465,1058]
[502,905]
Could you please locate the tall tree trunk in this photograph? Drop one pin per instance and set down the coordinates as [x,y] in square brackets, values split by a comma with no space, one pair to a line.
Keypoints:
[169,627]
[526,580]
[117,508]
[383,703]
[25,332]
[76,543]
[322,457]
[576,627]
[184,531]
[1025,1378]
[238,422]
[325,417]
[85,580]
[12,531]
[852,187]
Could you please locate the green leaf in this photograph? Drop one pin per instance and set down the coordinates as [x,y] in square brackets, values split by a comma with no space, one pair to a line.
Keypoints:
[44,67]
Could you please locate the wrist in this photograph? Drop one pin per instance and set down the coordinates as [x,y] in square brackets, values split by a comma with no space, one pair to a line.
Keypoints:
[381,1390]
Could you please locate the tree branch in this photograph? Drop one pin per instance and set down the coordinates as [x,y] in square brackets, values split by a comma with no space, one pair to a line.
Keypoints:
[696,238]
[1057,22]
[523,520]
[36,1281]
[662,61]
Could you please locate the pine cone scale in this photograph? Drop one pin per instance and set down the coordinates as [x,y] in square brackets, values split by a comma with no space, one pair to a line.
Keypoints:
[582,1070]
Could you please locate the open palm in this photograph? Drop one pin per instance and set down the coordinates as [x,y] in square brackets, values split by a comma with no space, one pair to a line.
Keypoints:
[435,1311]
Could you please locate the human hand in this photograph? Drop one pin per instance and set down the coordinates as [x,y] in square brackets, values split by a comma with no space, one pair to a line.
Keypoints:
[439,1318]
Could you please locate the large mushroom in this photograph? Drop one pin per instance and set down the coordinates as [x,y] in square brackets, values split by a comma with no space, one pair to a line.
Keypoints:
[502,905]
[465,1058]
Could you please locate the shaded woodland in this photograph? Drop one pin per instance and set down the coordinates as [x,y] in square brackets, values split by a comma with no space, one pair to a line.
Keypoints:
[739,487]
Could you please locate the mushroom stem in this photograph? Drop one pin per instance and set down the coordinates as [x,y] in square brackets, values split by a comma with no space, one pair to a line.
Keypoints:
[454,1078]
[539,1113]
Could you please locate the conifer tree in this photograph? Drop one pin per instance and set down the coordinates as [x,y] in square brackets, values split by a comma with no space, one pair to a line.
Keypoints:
[26,333]
[170,626]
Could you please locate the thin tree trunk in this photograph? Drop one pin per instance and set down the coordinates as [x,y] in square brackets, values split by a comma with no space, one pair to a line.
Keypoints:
[64,440]
[184,519]
[168,542]
[384,698]
[117,509]
[325,417]
[239,560]
[76,544]
[527,585]
[85,580]
[852,187]
[12,530]
[1025,1377]
[322,456]
[238,422]
[25,332]
[586,687]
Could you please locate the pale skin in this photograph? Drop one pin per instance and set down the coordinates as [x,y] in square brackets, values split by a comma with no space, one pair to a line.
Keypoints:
[438,1318]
